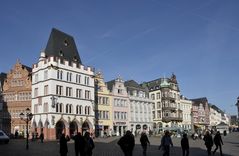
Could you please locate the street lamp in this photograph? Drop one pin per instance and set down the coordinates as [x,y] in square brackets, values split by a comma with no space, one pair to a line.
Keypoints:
[26,117]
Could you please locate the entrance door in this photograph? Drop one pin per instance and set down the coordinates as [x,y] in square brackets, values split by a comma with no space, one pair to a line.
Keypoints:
[85,127]
[60,126]
[73,128]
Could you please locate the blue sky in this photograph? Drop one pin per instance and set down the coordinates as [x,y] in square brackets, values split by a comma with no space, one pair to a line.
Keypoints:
[143,40]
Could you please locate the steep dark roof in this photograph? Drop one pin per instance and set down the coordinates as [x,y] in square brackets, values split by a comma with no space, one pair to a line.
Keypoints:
[110,84]
[62,45]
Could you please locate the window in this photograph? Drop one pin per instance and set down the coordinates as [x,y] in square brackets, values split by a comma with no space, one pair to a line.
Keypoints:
[36,77]
[36,92]
[87,79]
[68,76]
[158,95]
[57,107]
[67,110]
[45,74]
[68,91]
[59,74]
[35,108]
[158,105]
[45,89]
[152,96]
[78,78]
[120,91]
[61,107]
[86,110]
[71,109]
[87,94]
[78,93]
[59,90]
[45,107]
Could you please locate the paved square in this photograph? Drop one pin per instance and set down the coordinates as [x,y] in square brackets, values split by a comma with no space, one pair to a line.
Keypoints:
[109,147]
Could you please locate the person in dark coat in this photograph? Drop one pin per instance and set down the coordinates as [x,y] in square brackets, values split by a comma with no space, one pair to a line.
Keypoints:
[127,143]
[208,142]
[63,145]
[89,144]
[218,142]
[78,143]
[166,141]
[144,142]
[42,137]
[185,145]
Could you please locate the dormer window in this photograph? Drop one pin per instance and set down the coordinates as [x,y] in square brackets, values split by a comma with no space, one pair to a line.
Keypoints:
[61,53]
[66,43]
[75,59]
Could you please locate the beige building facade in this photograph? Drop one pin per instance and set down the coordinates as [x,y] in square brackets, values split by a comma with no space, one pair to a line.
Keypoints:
[17,96]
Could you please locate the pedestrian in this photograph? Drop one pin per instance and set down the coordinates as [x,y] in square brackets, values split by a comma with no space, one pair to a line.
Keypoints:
[185,145]
[76,139]
[218,142]
[79,144]
[144,142]
[16,134]
[127,143]
[166,141]
[208,142]
[63,145]
[42,137]
[89,144]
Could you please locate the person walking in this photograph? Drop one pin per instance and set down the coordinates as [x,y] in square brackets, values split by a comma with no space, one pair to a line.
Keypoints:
[63,145]
[127,143]
[218,142]
[208,142]
[166,141]
[144,142]
[89,144]
[185,145]
[42,137]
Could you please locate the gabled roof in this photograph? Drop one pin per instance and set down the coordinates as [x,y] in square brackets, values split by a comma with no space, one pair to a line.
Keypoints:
[62,45]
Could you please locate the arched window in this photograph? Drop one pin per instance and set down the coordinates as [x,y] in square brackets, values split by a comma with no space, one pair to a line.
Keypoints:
[77,109]
[85,109]
[80,111]
[67,108]
[89,110]
[61,108]
[70,109]
[57,107]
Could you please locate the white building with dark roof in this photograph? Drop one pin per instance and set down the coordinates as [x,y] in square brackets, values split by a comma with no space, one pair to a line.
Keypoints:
[62,90]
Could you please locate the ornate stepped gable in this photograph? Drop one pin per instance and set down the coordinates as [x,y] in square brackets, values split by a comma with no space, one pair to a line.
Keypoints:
[18,78]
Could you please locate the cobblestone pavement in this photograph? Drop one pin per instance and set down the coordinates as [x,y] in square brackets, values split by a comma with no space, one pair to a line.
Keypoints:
[109,147]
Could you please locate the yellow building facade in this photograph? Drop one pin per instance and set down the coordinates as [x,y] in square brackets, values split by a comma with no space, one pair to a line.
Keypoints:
[103,108]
